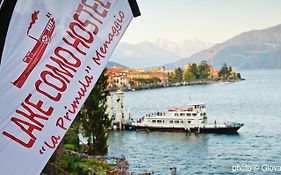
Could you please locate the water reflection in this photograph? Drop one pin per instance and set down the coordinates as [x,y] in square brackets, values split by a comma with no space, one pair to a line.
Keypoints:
[252,102]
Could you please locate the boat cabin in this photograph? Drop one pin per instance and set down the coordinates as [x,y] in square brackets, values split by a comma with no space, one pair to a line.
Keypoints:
[191,110]
[194,114]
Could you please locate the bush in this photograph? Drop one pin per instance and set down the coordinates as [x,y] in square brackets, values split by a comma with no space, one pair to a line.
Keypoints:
[70,147]
[77,166]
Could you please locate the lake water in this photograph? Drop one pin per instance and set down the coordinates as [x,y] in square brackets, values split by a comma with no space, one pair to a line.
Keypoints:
[255,102]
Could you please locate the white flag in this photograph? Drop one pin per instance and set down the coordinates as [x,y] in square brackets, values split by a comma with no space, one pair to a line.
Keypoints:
[55,51]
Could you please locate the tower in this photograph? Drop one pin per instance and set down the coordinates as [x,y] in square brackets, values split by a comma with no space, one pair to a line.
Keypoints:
[213,53]
[212,61]
[109,109]
[119,108]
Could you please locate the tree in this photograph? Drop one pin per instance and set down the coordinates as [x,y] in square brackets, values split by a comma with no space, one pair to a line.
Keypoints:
[188,76]
[204,70]
[179,74]
[172,77]
[194,71]
[230,69]
[224,72]
[93,120]
[146,81]
[239,76]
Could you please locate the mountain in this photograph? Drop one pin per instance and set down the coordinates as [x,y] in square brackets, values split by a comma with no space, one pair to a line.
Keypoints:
[114,64]
[257,49]
[156,53]
[142,55]
[185,48]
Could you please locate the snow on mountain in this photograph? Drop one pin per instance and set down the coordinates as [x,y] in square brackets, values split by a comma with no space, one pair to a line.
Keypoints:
[155,53]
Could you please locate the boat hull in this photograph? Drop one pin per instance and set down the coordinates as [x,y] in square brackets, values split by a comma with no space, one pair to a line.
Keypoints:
[220,130]
[217,130]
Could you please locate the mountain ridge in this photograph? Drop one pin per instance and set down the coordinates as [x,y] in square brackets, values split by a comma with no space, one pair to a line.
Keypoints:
[149,54]
[255,49]
[114,64]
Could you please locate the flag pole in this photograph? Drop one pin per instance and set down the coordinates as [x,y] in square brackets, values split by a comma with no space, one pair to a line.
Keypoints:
[6,11]
[135,8]
[1,3]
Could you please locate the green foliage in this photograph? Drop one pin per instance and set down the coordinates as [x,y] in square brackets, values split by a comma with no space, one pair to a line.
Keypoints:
[71,139]
[194,70]
[188,76]
[93,121]
[70,147]
[225,71]
[178,74]
[145,81]
[239,76]
[230,69]
[197,72]
[203,70]
[77,166]
[172,78]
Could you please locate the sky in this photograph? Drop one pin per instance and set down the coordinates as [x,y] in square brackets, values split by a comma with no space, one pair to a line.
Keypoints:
[212,21]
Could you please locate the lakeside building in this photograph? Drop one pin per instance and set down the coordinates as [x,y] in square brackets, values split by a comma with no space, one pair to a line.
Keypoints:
[214,73]
[133,79]
[119,77]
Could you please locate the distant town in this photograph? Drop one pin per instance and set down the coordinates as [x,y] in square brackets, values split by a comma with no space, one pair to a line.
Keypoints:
[120,78]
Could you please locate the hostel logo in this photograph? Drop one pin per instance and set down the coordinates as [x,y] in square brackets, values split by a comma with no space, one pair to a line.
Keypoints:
[33,57]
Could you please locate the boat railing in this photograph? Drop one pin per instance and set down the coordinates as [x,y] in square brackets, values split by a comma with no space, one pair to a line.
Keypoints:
[224,123]
[182,109]
[156,114]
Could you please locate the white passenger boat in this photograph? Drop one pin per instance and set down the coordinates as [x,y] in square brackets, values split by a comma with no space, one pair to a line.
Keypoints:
[190,119]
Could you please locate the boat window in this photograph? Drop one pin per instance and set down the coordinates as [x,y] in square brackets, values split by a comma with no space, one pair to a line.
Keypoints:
[177,121]
[153,121]
[182,114]
[176,114]
[181,121]
[189,122]
[204,114]
[159,121]
[194,114]
[171,121]
[188,114]
[163,121]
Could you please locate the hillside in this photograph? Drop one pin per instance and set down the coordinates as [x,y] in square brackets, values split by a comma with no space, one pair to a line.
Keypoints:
[114,64]
[142,55]
[257,49]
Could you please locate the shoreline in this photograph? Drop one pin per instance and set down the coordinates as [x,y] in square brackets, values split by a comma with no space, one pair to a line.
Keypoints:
[192,83]
[102,165]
